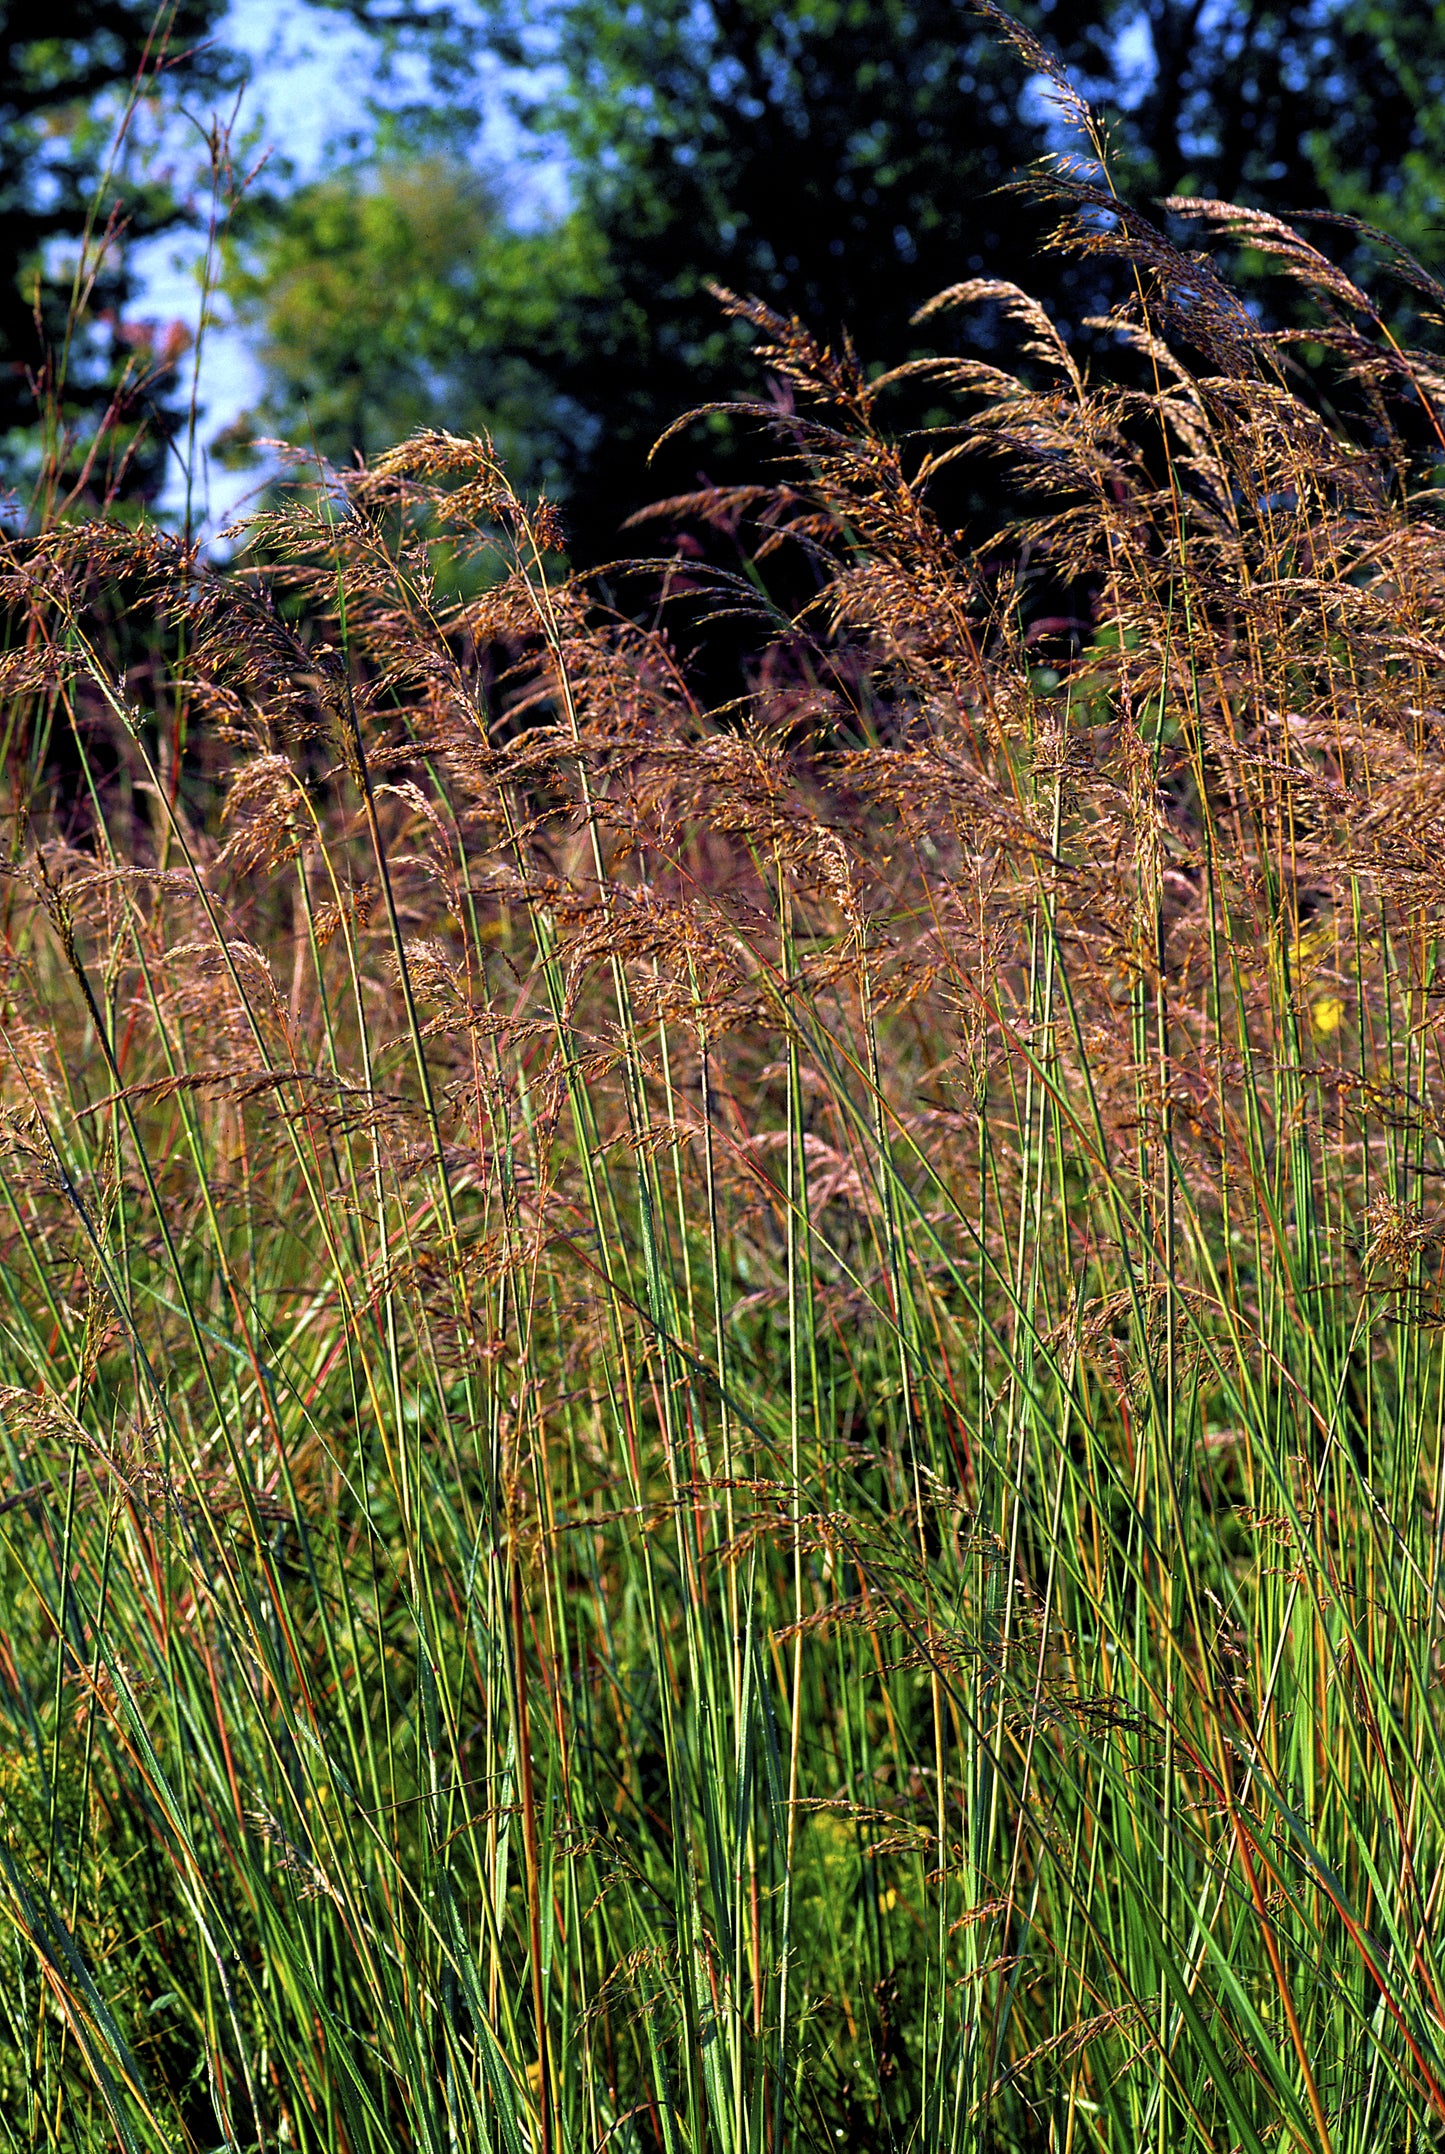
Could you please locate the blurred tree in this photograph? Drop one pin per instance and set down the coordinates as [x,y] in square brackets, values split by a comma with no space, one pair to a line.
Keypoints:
[391,295]
[91,164]
[839,158]
[836,156]
[78,81]
[1304,105]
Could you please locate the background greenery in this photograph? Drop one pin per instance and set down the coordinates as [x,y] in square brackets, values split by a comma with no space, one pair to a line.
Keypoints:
[840,160]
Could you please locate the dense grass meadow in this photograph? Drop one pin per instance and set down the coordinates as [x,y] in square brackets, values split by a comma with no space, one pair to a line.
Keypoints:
[722,1427]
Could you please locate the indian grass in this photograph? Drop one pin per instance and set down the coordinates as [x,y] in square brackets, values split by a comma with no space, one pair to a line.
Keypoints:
[723,1429]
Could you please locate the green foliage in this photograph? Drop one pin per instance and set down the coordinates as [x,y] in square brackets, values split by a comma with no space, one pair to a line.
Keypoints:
[841,161]
[1276,105]
[837,161]
[387,297]
[87,91]
[105,106]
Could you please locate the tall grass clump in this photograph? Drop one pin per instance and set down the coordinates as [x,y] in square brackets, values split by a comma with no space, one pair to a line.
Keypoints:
[723,1428]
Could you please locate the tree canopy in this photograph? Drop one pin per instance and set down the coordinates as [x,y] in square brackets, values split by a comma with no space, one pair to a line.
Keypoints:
[69,174]
[377,296]
[840,162]
[1295,106]
[841,159]
[91,164]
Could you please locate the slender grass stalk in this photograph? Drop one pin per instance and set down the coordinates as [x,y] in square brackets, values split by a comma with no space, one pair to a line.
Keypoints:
[764,1469]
